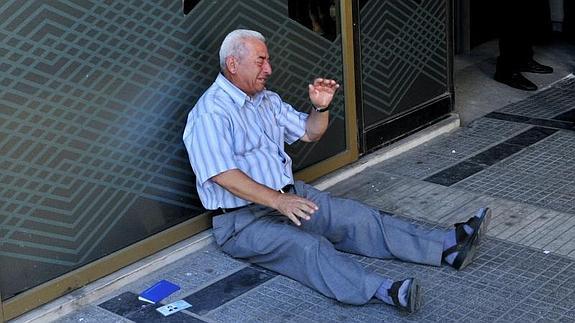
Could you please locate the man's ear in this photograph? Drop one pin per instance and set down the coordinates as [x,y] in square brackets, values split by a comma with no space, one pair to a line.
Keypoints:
[232,64]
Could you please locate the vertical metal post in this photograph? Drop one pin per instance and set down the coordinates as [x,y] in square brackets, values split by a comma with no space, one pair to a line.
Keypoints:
[452,16]
[349,75]
[358,77]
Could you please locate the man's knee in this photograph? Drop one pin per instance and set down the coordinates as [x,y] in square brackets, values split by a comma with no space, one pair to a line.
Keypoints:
[314,247]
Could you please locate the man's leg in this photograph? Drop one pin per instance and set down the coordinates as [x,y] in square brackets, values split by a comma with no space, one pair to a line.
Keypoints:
[357,228]
[273,242]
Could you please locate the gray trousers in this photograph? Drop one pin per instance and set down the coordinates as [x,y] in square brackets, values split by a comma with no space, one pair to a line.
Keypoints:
[311,253]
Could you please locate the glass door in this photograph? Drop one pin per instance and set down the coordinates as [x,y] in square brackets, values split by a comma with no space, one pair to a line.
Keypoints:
[405,69]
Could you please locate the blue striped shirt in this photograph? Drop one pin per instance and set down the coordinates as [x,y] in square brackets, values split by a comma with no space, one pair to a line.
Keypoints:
[227,129]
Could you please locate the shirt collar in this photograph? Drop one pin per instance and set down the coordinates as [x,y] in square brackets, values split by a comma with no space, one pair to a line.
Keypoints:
[237,95]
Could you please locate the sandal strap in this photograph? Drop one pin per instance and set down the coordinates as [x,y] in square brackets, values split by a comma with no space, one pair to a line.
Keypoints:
[460,233]
[461,237]
[472,222]
[452,249]
[393,292]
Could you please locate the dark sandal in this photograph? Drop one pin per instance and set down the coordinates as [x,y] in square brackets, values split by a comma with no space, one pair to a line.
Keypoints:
[466,245]
[413,295]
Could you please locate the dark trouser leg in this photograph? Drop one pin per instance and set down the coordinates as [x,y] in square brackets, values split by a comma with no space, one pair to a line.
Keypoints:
[515,19]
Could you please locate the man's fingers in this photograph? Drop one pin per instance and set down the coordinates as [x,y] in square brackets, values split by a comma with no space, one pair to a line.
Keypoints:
[296,208]
[308,207]
[303,203]
[302,214]
[325,82]
[294,219]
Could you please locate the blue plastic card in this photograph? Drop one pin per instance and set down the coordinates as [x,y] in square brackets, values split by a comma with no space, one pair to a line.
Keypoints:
[158,292]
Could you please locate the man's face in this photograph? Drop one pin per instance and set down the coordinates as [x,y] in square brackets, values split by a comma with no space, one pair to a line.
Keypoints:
[251,71]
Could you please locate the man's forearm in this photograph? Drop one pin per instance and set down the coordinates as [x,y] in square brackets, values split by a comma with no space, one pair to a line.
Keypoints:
[242,186]
[316,125]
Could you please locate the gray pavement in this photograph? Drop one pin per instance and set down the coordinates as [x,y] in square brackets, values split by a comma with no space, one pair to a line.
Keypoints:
[516,157]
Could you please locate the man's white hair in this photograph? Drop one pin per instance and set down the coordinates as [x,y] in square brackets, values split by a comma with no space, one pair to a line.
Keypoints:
[233,44]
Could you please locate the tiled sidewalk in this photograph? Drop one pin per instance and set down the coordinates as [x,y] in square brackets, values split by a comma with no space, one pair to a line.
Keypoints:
[520,161]
[508,283]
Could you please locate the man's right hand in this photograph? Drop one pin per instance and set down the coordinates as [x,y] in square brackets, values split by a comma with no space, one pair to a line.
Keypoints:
[290,205]
[295,207]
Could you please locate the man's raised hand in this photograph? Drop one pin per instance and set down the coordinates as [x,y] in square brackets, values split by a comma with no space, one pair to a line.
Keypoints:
[321,92]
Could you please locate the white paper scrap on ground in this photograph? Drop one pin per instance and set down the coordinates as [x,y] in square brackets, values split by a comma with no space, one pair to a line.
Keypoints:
[174,307]
[546,251]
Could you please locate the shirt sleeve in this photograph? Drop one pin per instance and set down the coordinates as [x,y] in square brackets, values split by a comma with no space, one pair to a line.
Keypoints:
[292,120]
[210,146]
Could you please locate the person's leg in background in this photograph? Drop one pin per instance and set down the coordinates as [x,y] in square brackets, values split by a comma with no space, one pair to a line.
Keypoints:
[569,20]
[517,25]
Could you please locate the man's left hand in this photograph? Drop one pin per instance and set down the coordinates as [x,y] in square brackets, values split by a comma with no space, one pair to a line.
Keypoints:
[321,92]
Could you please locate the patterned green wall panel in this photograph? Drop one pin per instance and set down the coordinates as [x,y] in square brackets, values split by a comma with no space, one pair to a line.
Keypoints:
[93,100]
[403,55]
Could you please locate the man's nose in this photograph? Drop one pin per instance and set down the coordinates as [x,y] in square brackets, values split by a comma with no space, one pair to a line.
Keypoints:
[267,68]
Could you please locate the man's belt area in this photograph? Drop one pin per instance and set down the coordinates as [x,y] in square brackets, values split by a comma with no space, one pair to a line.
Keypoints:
[289,188]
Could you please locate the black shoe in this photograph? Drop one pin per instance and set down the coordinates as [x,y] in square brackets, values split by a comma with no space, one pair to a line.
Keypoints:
[467,244]
[413,295]
[516,80]
[533,67]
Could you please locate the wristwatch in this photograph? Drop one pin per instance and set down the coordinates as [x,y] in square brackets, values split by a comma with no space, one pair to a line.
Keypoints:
[320,109]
